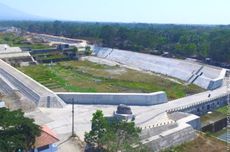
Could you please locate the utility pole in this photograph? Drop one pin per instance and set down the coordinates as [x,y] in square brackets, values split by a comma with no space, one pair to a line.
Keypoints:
[73,133]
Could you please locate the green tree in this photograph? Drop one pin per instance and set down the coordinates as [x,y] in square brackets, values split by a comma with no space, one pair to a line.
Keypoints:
[113,135]
[98,130]
[88,50]
[16,131]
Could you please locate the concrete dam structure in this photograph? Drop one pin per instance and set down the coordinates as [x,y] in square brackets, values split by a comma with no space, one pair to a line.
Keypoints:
[205,76]
[140,99]
[12,79]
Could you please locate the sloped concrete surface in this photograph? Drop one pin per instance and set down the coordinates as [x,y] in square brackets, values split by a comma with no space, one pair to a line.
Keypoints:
[208,77]
[28,87]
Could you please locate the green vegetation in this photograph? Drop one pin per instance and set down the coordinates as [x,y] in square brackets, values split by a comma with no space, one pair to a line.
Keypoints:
[113,135]
[224,110]
[49,56]
[218,114]
[32,46]
[212,117]
[16,131]
[10,39]
[18,41]
[84,76]
[202,143]
[180,40]
[219,133]
[88,51]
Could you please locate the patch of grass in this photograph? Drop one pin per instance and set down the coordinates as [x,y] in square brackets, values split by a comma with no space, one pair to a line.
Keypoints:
[218,133]
[32,46]
[224,110]
[212,117]
[202,143]
[17,41]
[10,39]
[84,76]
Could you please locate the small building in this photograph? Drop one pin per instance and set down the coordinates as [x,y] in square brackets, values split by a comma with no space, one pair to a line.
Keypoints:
[62,46]
[46,141]
[124,112]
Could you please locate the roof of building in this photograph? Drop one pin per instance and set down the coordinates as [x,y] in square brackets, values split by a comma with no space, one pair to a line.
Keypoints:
[47,137]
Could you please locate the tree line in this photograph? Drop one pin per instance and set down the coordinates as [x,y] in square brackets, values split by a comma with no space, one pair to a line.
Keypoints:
[199,41]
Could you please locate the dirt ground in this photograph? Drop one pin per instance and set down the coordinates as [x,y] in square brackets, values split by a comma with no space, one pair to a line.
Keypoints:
[203,143]
[70,145]
[16,101]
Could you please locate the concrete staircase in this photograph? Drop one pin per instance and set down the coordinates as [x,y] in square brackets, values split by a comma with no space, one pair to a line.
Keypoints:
[195,75]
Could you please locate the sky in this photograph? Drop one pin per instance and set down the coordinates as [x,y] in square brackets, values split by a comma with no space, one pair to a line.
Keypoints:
[144,11]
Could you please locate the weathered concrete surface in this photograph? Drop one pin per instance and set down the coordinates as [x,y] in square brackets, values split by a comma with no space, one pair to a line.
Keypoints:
[191,119]
[141,99]
[16,80]
[178,135]
[15,55]
[182,130]
[145,116]
[6,49]
[208,77]
[7,52]
[172,134]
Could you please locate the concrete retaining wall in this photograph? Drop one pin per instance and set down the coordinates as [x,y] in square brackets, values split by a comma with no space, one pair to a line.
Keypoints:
[216,126]
[142,99]
[178,135]
[182,130]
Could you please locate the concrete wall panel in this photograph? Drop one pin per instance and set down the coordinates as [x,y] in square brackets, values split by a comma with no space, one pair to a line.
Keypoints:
[143,99]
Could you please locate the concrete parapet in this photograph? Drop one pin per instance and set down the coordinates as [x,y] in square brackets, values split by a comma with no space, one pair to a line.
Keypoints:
[171,122]
[202,107]
[150,131]
[141,99]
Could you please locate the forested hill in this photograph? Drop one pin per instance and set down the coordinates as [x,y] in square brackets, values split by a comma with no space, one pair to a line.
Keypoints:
[8,13]
[180,40]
